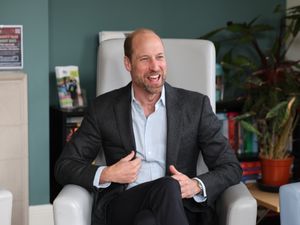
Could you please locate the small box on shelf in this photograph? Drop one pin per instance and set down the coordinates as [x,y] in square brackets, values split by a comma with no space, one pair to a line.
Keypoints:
[63,124]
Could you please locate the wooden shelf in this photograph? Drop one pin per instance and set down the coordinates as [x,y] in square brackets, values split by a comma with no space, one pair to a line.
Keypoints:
[266,199]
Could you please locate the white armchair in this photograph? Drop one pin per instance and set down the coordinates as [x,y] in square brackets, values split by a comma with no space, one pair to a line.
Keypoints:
[191,65]
[6,198]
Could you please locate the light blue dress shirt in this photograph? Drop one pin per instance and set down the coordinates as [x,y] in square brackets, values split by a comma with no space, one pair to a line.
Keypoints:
[150,134]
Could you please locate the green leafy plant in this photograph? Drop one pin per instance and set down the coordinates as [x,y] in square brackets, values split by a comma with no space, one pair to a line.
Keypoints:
[270,80]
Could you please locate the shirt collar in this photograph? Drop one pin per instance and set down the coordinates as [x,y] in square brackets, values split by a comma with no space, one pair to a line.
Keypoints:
[162,98]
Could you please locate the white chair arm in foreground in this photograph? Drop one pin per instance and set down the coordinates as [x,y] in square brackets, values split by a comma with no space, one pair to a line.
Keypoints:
[289,199]
[6,198]
[73,206]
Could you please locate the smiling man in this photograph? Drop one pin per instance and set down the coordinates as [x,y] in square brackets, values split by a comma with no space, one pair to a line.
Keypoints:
[151,134]
[146,63]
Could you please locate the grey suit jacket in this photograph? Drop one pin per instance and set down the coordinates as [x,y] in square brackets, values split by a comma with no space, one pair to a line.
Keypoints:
[191,127]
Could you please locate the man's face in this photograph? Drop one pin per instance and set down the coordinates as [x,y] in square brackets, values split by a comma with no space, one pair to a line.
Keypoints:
[147,65]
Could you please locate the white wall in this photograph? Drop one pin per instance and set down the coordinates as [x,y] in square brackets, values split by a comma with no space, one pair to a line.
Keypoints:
[41,215]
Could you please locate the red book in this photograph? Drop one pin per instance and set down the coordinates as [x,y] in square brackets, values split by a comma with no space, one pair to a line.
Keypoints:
[233,130]
[249,172]
[249,165]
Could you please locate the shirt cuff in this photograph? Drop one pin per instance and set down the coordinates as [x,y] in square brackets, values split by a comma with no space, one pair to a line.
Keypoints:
[97,178]
[201,197]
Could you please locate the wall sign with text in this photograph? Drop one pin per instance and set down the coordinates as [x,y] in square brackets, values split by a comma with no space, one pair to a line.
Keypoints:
[11,47]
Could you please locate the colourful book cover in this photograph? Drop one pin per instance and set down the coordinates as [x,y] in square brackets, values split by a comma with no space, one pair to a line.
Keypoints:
[224,123]
[68,86]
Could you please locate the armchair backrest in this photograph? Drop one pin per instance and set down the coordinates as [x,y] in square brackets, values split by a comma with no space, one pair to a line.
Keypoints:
[191,65]
[190,62]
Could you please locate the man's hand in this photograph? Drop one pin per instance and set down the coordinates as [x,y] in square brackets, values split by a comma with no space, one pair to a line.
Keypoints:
[189,187]
[123,172]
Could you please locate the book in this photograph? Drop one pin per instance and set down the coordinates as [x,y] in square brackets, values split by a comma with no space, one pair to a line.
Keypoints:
[241,140]
[68,86]
[251,171]
[251,164]
[233,131]
[252,178]
[72,125]
[224,123]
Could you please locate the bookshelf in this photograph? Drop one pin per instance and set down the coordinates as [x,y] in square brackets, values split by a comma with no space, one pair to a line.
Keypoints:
[242,142]
[229,106]
[226,111]
[63,124]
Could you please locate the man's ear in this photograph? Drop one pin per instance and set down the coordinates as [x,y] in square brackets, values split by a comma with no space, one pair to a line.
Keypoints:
[127,63]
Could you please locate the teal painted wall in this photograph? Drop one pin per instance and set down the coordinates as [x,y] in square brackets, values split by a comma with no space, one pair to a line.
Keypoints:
[64,32]
[33,15]
[74,26]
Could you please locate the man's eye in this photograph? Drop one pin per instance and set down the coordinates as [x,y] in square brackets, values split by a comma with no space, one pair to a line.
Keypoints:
[160,57]
[144,59]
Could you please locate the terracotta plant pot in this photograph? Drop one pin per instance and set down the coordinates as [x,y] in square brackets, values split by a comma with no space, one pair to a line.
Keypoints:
[276,172]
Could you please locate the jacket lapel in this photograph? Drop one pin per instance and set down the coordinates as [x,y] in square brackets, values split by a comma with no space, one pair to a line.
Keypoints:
[122,110]
[174,126]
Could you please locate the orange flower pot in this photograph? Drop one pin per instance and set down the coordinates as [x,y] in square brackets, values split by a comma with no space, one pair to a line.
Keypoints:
[276,172]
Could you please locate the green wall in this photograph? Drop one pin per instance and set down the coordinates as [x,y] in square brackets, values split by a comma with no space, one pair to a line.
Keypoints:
[74,26]
[33,15]
[65,32]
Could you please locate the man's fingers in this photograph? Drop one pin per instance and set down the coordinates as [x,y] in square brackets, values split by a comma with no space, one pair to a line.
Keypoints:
[137,161]
[187,186]
[128,157]
[173,170]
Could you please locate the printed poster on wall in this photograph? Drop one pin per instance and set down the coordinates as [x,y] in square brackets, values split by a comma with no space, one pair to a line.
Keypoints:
[11,47]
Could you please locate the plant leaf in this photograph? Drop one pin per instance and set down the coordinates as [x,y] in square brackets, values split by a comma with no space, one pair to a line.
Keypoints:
[253,20]
[276,110]
[244,116]
[261,28]
[249,127]
[278,8]
[212,33]
[237,27]
[243,61]
[254,80]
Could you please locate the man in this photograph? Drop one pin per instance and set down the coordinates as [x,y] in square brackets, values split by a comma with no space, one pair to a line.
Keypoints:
[151,135]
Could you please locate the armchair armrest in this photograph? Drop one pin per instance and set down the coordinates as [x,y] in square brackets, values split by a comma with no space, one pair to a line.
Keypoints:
[6,198]
[237,206]
[73,206]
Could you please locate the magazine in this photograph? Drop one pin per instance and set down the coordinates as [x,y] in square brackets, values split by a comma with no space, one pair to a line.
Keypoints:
[68,86]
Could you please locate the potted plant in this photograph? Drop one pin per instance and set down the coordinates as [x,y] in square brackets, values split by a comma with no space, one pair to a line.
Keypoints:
[270,80]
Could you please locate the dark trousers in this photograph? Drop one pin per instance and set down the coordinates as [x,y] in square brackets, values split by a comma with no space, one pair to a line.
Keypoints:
[153,203]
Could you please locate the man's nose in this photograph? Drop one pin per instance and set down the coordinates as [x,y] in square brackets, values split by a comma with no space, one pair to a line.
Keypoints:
[154,65]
